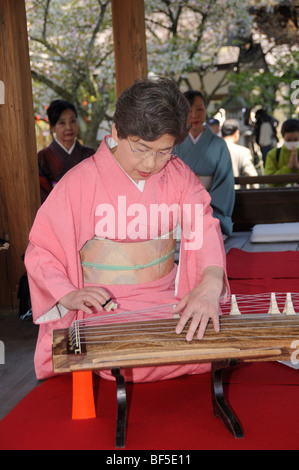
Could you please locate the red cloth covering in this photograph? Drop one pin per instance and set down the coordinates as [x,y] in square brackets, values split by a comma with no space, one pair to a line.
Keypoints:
[255,273]
[176,414]
[272,264]
[169,415]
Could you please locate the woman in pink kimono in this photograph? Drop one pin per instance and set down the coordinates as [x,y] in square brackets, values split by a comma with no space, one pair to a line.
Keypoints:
[105,237]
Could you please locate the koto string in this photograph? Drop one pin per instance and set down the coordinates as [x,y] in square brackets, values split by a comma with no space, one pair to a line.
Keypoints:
[130,313]
[81,326]
[93,330]
[100,336]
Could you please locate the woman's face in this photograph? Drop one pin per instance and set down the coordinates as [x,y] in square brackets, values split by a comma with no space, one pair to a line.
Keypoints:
[66,128]
[291,136]
[197,116]
[142,167]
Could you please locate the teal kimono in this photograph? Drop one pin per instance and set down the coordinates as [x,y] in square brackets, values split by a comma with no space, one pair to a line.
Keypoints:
[210,157]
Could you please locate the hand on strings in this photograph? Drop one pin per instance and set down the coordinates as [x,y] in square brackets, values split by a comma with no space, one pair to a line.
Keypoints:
[201,305]
[86,299]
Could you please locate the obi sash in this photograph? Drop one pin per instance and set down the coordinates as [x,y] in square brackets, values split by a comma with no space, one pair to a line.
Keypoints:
[109,262]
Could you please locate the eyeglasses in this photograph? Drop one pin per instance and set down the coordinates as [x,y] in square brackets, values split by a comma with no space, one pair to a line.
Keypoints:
[161,156]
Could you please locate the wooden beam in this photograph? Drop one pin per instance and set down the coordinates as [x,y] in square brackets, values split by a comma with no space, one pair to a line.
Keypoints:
[19,194]
[129,42]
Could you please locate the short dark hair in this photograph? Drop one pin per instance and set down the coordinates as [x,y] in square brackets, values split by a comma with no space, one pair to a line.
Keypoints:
[290,125]
[150,109]
[191,94]
[229,127]
[56,108]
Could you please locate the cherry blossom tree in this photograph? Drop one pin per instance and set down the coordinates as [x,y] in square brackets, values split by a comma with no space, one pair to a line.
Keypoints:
[186,36]
[71,53]
[71,47]
[274,84]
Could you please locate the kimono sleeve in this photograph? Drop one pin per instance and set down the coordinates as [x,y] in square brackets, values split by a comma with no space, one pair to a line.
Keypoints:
[51,258]
[206,247]
[222,191]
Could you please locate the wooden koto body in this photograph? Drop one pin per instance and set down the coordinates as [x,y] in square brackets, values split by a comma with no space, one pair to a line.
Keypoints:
[152,343]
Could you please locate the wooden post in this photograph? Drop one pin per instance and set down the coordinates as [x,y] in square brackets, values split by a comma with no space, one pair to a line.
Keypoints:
[19,184]
[129,42]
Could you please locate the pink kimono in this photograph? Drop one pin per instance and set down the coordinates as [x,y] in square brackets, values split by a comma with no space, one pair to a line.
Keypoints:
[74,213]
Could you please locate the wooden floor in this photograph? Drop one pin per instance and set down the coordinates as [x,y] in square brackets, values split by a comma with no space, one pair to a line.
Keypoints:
[17,376]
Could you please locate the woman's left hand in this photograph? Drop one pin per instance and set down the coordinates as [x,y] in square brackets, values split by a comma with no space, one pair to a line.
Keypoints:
[201,304]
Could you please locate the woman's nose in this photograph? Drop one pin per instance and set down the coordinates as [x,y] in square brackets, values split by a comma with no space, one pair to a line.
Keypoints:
[150,162]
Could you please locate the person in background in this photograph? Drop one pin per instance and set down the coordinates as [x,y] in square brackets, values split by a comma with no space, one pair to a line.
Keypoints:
[284,160]
[265,132]
[208,156]
[214,125]
[65,151]
[242,161]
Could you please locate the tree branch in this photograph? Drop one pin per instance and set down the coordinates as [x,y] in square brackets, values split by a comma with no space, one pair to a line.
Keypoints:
[46,15]
[51,84]
[205,15]
[96,29]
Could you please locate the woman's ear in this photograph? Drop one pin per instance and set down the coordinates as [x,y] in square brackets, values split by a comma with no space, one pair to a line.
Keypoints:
[114,133]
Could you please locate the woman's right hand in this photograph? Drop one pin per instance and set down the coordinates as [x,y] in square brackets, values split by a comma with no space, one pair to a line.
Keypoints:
[85,299]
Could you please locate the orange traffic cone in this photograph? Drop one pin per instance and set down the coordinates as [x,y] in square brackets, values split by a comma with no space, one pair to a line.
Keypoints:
[83,398]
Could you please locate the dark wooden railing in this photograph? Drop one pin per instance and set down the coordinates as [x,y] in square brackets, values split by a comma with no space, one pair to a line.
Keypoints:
[267,204]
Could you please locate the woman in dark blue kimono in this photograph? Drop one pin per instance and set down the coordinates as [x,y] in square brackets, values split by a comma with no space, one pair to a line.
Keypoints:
[208,156]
